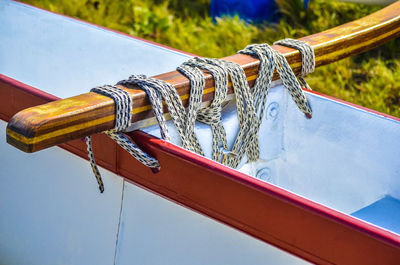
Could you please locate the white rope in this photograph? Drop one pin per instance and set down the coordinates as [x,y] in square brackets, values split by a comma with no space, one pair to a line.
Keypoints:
[123,116]
[307,57]
[250,103]
[212,114]
[197,82]
[174,104]
[246,115]
[155,97]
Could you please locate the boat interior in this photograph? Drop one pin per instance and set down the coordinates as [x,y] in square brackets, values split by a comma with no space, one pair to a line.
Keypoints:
[343,157]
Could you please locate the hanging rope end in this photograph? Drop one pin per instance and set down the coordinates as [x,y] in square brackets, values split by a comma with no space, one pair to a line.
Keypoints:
[155,169]
[92,160]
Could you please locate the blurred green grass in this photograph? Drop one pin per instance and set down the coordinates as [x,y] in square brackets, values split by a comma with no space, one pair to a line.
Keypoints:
[371,79]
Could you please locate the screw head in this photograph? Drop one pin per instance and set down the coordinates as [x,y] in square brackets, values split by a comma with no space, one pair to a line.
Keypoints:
[264,174]
[272,111]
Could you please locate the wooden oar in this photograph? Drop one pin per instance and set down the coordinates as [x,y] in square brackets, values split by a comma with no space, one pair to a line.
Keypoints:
[57,122]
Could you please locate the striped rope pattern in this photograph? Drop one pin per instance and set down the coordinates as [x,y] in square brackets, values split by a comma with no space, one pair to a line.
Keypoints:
[307,57]
[212,114]
[123,116]
[246,116]
[250,103]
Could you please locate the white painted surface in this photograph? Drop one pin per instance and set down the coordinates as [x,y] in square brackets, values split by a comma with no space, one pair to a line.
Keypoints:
[344,157]
[51,211]
[156,231]
[66,57]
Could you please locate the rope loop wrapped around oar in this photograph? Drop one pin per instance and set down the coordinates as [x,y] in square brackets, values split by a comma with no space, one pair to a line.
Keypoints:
[123,116]
[250,103]
[307,57]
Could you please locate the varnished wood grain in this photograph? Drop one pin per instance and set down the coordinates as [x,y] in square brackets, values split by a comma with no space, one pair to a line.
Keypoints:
[57,122]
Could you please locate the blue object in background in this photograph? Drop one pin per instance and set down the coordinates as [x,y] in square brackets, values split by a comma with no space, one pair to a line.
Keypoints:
[250,10]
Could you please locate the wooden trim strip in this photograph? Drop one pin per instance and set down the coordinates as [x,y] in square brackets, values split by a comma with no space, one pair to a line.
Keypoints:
[63,120]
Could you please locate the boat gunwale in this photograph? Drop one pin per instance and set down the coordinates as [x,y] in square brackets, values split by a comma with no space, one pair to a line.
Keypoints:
[152,144]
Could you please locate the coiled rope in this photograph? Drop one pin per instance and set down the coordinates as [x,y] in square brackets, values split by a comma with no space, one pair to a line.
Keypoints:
[250,103]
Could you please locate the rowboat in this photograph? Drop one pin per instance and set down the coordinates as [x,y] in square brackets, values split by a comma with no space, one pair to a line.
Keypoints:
[325,190]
